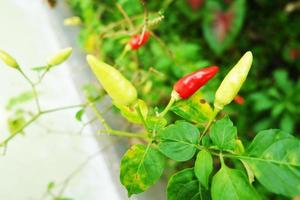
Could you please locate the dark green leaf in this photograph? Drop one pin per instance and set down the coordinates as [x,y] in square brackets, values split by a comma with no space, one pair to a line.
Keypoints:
[220,27]
[179,141]
[223,134]
[274,157]
[184,186]
[203,167]
[232,184]
[141,167]
[195,109]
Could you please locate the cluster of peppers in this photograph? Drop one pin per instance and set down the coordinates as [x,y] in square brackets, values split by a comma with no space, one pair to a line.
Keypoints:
[124,94]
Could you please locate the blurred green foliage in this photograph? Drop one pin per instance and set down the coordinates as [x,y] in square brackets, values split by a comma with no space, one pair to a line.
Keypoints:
[191,34]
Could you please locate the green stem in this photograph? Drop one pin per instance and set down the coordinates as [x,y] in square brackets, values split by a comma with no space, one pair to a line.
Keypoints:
[100,117]
[216,111]
[63,108]
[173,99]
[142,117]
[221,159]
[33,89]
[124,133]
[122,55]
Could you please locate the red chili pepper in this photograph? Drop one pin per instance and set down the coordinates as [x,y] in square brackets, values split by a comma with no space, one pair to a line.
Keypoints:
[195,4]
[239,100]
[190,83]
[139,40]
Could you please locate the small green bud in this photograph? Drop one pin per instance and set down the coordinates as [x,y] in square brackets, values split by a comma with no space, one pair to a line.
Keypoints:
[60,57]
[8,59]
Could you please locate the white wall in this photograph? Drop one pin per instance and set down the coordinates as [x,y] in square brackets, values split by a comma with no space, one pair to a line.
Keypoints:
[41,156]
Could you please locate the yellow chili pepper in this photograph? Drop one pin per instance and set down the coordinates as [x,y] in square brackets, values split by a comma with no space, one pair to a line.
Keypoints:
[233,82]
[60,57]
[114,83]
[8,59]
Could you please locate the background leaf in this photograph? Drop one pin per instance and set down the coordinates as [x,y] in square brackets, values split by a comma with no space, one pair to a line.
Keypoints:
[179,141]
[184,186]
[141,167]
[203,167]
[223,134]
[232,184]
[220,26]
[21,98]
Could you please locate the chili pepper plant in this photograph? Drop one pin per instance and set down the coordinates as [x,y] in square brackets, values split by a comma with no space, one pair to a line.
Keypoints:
[218,166]
[188,133]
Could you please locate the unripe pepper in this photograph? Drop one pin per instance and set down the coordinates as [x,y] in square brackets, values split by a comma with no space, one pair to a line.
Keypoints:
[139,40]
[8,59]
[189,84]
[114,83]
[60,57]
[233,81]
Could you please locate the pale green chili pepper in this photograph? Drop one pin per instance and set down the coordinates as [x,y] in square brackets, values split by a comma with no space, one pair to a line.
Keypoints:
[114,83]
[233,81]
[8,59]
[60,57]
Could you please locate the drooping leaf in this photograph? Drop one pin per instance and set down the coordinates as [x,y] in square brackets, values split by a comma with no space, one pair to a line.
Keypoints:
[203,167]
[221,26]
[274,157]
[141,167]
[179,141]
[21,98]
[232,184]
[184,186]
[223,134]
[195,109]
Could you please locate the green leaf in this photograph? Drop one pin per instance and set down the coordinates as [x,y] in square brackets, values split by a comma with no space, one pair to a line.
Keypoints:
[274,157]
[184,186]
[203,167]
[141,167]
[232,184]
[39,68]
[179,141]
[50,185]
[16,122]
[131,113]
[79,114]
[92,92]
[220,27]
[21,98]
[287,123]
[62,198]
[156,123]
[195,109]
[223,134]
